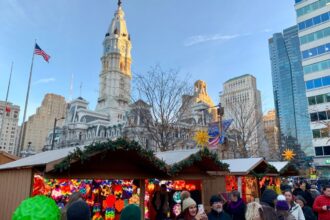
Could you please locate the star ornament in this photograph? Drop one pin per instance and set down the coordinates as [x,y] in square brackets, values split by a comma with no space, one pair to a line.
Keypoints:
[201,138]
[288,154]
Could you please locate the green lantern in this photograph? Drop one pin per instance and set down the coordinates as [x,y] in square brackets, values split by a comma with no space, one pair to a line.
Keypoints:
[37,208]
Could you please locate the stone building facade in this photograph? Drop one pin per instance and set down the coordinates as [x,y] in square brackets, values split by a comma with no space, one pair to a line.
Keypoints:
[9,114]
[38,125]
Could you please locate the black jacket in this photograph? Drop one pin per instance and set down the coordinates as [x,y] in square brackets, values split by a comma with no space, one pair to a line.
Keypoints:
[308,213]
[213,215]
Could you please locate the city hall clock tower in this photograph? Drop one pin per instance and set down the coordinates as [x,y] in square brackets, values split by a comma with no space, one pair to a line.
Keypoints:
[115,76]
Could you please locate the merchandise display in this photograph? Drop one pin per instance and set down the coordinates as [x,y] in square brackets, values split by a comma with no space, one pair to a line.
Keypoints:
[106,198]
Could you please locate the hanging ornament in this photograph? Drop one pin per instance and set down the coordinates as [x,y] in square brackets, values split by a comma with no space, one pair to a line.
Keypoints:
[176,209]
[201,138]
[177,197]
[288,154]
[119,205]
[151,187]
[110,214]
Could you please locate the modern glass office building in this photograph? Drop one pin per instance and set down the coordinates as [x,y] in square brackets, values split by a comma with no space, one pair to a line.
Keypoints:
[313,20]
[289,88]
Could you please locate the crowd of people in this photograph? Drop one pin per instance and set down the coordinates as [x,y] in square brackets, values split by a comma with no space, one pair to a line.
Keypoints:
[299,203]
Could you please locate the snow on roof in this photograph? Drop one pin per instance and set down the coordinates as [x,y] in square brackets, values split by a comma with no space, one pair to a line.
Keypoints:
[39,159]
[243,165]
[169,157]
[279,165]
[175,156]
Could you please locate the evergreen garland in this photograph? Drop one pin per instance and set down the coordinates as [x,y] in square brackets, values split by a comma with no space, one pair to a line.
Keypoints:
[269,169]
[290,166]
[204,153]
[109,146]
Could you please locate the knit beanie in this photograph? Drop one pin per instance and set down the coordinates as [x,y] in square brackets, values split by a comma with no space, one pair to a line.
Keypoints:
[78,210]
[281,203]
[187,203]
[131,212]
[299,197]
[268,197]
[215,198]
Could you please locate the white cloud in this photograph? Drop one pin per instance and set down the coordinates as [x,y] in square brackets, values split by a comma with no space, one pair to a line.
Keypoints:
[205,38]
[43,81]
[266,30]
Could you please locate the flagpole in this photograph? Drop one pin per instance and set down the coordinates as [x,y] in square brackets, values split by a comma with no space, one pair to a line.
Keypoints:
[6,101]
[22,132]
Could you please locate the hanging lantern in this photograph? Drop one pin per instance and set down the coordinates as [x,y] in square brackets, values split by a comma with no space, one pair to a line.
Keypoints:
[179,184]
[151,187]
[176,209]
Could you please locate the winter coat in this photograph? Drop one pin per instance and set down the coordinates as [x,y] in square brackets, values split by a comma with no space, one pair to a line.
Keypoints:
[296,211]
[284,215]
[214,215]
[236,209]
[268,212]
[308,213]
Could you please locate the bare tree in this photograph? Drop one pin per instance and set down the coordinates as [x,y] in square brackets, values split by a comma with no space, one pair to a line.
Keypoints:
[163,91]
[245,136]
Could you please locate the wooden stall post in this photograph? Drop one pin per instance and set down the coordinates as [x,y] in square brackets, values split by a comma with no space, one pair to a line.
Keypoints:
[142,197]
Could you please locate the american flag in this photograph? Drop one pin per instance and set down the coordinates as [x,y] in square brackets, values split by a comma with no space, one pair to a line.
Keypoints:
[39,51]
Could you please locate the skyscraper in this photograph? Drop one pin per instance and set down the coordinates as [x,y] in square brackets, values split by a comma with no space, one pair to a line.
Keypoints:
[313,19]
[9,120]
[242,103]
[289,88]
[37,127]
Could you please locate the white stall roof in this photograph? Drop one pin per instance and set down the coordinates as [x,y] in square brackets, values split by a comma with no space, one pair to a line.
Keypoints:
[39,159]
[43,158]
[279,165]
[175,156]
[242,165]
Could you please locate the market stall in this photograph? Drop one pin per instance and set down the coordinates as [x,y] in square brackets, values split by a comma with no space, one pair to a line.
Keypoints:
[285,168]
[6,157]
[245,176]
[192,170]
[110,175]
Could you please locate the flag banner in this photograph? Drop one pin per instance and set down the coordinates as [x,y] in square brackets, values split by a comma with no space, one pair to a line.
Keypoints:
[215,136]
[39,51]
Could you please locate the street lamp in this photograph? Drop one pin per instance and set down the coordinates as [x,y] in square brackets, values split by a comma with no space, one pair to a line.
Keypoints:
[53,138]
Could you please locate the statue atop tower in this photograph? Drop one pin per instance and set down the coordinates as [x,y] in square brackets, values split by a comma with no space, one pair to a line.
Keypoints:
[115,76]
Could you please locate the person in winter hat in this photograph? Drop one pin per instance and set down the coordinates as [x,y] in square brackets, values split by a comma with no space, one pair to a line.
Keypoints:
[79,210]
[73,198]
[236,206]
[217,212]
[253,211]
[267,202]
[282,209]
[294,208]
[308,212]
[190,212]
[131,212]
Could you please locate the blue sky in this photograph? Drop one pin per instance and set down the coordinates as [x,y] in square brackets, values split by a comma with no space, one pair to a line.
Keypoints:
[212,40]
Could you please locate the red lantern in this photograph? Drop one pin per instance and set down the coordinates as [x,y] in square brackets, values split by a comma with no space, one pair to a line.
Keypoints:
[179,184]
[151,187]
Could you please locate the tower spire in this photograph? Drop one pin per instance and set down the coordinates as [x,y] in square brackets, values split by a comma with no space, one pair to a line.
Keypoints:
[119,3]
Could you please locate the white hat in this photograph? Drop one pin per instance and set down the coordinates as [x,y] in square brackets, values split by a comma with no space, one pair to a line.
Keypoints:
[187,203]
[280,198]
